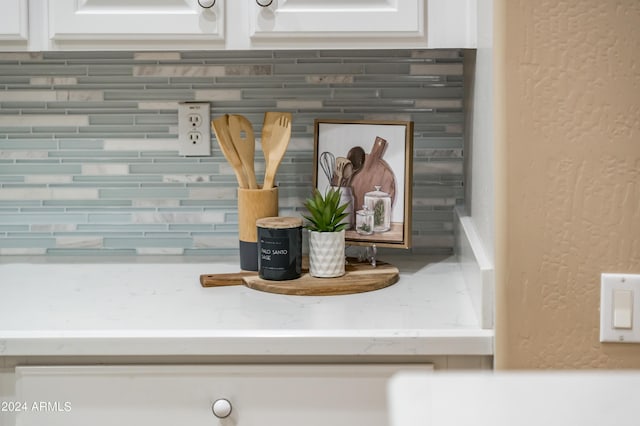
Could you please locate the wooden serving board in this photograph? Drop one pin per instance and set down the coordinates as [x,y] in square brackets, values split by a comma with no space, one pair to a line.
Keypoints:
[358,278]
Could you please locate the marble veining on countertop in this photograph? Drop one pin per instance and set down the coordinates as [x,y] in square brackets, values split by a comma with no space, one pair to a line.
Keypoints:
[159,308]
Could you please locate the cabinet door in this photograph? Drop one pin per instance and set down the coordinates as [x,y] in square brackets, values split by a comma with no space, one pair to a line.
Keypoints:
[14,21]
[331,23]
[285,395]
[135,24]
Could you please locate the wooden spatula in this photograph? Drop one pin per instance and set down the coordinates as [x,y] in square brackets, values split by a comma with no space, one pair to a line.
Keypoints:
[244,140]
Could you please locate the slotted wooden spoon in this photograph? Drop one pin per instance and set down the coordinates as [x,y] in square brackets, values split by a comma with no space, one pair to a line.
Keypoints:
[221,128]
[275,140]
[244,140]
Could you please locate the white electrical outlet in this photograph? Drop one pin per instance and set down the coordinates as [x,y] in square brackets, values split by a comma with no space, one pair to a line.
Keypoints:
[194,133]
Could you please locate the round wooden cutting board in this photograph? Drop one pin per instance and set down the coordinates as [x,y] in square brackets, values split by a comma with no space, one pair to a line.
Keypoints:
[358,278]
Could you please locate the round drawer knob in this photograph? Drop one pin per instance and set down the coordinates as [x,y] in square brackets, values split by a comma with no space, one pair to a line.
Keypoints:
[221,408]
[206,3]
[264,3]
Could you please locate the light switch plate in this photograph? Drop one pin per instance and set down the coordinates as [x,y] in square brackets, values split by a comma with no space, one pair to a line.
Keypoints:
[194,128]
[619,284]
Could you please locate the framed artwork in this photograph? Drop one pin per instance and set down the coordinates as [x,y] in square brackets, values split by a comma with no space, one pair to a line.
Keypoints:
[371,162]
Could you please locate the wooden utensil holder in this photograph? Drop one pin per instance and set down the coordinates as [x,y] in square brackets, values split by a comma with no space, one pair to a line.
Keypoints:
[253,204]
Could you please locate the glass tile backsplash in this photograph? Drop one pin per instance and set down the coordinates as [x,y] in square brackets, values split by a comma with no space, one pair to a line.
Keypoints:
[89,159]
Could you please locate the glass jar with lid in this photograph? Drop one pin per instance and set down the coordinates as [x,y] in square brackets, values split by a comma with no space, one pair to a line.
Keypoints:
[379,202]
[364,221]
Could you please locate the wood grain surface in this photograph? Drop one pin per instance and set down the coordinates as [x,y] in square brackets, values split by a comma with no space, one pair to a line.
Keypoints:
[359,278]
[374,172]
[254,204]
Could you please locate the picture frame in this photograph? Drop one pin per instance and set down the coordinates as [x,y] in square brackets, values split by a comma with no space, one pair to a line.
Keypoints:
[371,161]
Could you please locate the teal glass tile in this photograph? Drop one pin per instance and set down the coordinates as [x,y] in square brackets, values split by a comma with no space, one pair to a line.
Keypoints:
[120,179]
[28,242]
[122,229]
[93,107]
[34,107]
[192,228]
[134,129]
[166,119]
[172,168]
[218,204]
[11,179]
[172,234]
[14,228]
[28,144]
[423,92]
[110,119]
[227,227]
[48,218]
[88,55]
[161,193]
[43,70]
[318,67]
[109,218]
[33,169]
[81,144]
[74,205]
[52,130]
[90,252]
[287,93]
[19,203]
[365,53]
[90,154]
[110,70]
[146,95]
[143,242]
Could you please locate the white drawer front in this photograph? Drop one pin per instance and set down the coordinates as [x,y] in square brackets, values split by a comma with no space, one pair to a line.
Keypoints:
[183,395]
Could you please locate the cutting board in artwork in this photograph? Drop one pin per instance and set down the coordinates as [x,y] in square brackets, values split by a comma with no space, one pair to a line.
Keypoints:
[374,172]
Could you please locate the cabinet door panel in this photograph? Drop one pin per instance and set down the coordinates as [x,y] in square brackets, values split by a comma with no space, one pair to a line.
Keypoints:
[310,395]
[134,20]
[348,19]
[14,20]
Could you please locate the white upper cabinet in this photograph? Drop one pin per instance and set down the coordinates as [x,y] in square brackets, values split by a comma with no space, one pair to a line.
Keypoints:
[14,24]
[236,24]
[136,24]
[331,23]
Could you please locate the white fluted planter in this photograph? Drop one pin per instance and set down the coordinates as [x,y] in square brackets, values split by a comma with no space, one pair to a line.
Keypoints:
[326,254]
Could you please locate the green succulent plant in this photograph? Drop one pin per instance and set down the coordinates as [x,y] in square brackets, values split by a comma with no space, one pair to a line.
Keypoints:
[326,213]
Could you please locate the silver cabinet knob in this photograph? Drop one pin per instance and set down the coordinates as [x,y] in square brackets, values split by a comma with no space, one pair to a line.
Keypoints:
[221,408]
[206,3]
[264,3]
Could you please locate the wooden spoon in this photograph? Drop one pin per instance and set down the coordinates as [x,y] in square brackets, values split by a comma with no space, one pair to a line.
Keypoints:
[341,162]
[346,174]
[274,148]
[357,156]
[221,128]
[245,146]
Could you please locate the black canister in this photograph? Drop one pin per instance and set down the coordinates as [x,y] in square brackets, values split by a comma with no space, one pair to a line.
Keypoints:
[279,248]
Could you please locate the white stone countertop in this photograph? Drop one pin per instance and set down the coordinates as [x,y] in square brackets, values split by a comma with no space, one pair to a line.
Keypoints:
[156,306]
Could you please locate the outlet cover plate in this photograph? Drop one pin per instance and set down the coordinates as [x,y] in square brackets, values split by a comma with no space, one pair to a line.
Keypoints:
[194,131]
[608,284]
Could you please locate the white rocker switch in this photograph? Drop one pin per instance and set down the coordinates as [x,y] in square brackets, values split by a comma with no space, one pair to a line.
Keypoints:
[622,309]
